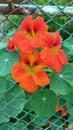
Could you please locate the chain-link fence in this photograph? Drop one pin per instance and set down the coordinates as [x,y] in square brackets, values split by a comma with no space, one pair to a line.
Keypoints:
[15,110]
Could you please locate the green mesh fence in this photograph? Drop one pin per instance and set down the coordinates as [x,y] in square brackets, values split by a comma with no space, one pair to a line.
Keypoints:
[15,109]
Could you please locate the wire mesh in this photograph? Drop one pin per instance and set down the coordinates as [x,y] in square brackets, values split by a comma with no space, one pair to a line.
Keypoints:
[57,18]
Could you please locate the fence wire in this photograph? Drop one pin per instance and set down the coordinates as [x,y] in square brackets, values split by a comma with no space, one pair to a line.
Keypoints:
[58,14]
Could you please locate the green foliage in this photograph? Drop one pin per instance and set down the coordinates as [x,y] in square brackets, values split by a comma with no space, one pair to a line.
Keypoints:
[62,82]
[40,2]
[70,126]
[14,100]
[39,121]
[68,47]
[18,108]
[42,100]
[16,126]
[69,97]
[2,45]
[6,61]
[3,85]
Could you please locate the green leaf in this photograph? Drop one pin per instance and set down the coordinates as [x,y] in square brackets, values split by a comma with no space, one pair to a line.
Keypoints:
[55,124]
[69,97]
[2,45]
[39,121]
[13,102]
[62,101]
[70,119]
[6,61]
[62,82]
[3,85]
[68,43]
[3,117]
[69,108]
[15,126]
[68,47]
[68,73]
[44,102]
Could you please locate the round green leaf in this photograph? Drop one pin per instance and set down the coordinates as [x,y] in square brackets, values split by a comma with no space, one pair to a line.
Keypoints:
[44,102]
[6,61]
[3,85]
[62,82]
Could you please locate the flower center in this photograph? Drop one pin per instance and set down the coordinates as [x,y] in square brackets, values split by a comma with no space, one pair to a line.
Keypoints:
[54,50]
[31,35]
[33,69]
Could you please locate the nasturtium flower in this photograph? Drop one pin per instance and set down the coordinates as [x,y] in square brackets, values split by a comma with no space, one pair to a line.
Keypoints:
[29,73]
[52,54]
[29,34]
[10,45]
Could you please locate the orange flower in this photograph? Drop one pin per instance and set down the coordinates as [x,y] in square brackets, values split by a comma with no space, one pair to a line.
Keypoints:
[52,54]
[29,35]
[10,45]
[29,72]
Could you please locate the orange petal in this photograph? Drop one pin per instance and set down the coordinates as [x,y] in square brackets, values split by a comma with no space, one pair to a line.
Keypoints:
[39,25]
[17,72]
[57,38]
[17,37]
[28,84]
[62,57]
[47,40]
[44,53]
[25,46]
[41,78]
[51,60]
[55,63]
[51,39]
[26,24]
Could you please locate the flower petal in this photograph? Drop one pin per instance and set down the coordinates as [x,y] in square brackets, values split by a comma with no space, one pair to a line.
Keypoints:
[25,46]
[18,72]
[26,24]
[51,60]
[40,25]
[41,78]
[44,53]
[62,57]
[10,45]
[28,84]
[57,38]
[17,37]
[51,39]
[55,63]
